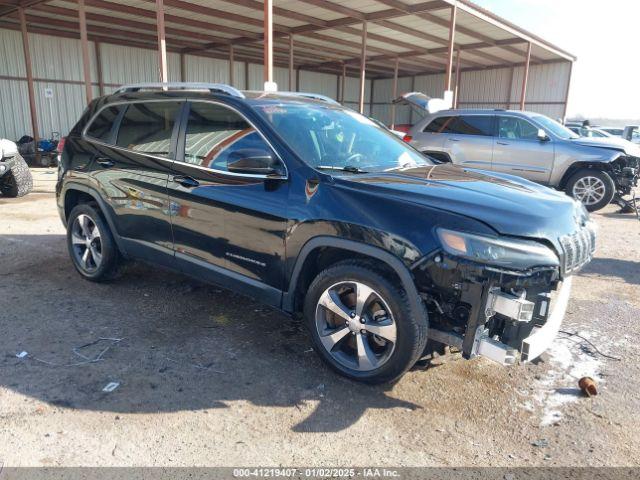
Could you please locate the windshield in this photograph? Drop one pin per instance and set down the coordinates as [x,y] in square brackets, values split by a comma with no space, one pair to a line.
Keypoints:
[332,138]
[599,133]
[554,127]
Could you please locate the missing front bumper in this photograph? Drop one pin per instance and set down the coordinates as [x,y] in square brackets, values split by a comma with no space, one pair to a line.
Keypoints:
[535,344]
[532,346]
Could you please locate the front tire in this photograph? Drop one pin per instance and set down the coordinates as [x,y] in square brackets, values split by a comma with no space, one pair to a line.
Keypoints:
[18,181]
[594,188]
[91,246]
[361,324]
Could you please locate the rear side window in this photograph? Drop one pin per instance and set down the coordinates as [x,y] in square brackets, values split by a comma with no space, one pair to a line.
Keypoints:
[213,132]
[473,125]
[439,125]
[148,127]
[101,127]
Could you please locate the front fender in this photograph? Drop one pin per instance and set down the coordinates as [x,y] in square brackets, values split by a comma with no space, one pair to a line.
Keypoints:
[357,247]
[568,160]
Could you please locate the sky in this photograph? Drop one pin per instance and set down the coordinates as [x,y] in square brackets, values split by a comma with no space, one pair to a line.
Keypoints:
[603,34]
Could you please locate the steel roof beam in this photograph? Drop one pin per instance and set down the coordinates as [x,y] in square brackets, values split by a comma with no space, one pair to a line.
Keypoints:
[444,23]
[151,44]
[149,28]
[10,6]
[281,30]
[503,24]
[219,42]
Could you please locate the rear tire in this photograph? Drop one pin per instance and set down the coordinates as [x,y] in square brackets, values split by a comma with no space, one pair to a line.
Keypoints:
[377,345]
[93,251]
[594,188]
[18,181]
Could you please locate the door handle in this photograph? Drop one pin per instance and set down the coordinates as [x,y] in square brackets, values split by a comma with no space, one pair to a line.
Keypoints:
[453,139]
[502,143]
[105,162]
[186,181]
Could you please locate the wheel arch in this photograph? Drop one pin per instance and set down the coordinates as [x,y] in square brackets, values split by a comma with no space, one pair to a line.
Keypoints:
[577,166]
[75,194]
[330,250]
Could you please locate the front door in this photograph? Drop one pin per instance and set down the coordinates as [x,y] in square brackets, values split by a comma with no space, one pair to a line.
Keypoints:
[518,150]
[230,227]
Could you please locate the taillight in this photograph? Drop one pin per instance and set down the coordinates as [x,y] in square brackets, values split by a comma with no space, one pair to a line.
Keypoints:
[407,138]
[61,143]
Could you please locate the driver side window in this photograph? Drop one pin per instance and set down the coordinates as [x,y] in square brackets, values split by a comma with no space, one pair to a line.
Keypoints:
[214,132]
[514,128]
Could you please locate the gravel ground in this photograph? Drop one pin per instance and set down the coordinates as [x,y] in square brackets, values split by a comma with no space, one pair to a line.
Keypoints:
[209,378]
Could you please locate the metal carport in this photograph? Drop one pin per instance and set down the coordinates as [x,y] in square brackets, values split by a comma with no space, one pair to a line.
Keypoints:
[370,50]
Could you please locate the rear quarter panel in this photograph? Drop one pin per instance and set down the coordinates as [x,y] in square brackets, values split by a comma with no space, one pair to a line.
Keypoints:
[426,141]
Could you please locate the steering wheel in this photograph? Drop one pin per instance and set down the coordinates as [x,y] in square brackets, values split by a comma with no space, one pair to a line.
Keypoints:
[355,157]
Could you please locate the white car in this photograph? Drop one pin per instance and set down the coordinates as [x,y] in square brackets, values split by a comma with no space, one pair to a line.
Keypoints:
[15,176]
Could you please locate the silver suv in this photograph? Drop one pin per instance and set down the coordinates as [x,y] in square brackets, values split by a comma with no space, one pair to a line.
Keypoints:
[530,145]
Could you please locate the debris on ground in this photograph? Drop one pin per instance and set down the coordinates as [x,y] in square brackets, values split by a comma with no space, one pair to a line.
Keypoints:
[77,351]
[110,387]
[588,386]
[22,354]
[588,347]
[540,443]
[197,365]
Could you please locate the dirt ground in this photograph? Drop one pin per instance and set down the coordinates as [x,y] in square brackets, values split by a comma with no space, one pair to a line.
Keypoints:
[209,378]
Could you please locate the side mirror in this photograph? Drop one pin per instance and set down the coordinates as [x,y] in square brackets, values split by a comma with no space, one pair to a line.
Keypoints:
[254,161]
[542,135]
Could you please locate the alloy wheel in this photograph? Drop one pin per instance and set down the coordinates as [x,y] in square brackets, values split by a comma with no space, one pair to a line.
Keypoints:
[589,190]
[86,242]
[356,326]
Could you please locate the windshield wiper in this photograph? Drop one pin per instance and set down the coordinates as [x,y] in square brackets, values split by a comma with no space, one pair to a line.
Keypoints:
[346,168]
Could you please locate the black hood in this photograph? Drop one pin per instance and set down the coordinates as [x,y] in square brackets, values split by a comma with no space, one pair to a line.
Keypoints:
[508,204]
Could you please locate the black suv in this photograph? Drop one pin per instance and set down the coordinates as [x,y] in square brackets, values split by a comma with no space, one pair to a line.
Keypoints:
[316,210]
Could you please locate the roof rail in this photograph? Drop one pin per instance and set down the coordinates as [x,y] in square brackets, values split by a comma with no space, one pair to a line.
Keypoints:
[212,87]
[314,96]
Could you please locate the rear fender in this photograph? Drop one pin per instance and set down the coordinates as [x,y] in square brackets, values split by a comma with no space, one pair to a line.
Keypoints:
[106,211]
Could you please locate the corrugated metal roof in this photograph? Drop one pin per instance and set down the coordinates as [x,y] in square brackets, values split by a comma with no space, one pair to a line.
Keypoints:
[394,28]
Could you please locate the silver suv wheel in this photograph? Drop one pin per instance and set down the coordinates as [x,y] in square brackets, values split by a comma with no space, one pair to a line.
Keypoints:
[356,326]
[87,243]
[589,190]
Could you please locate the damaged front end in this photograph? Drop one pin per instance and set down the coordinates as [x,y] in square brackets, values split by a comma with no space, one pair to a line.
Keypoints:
[625,171]
[501,298]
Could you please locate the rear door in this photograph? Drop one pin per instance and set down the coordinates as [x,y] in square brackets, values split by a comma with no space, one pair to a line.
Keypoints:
[228,226]
[518,151]
[135,146]
[468,140]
